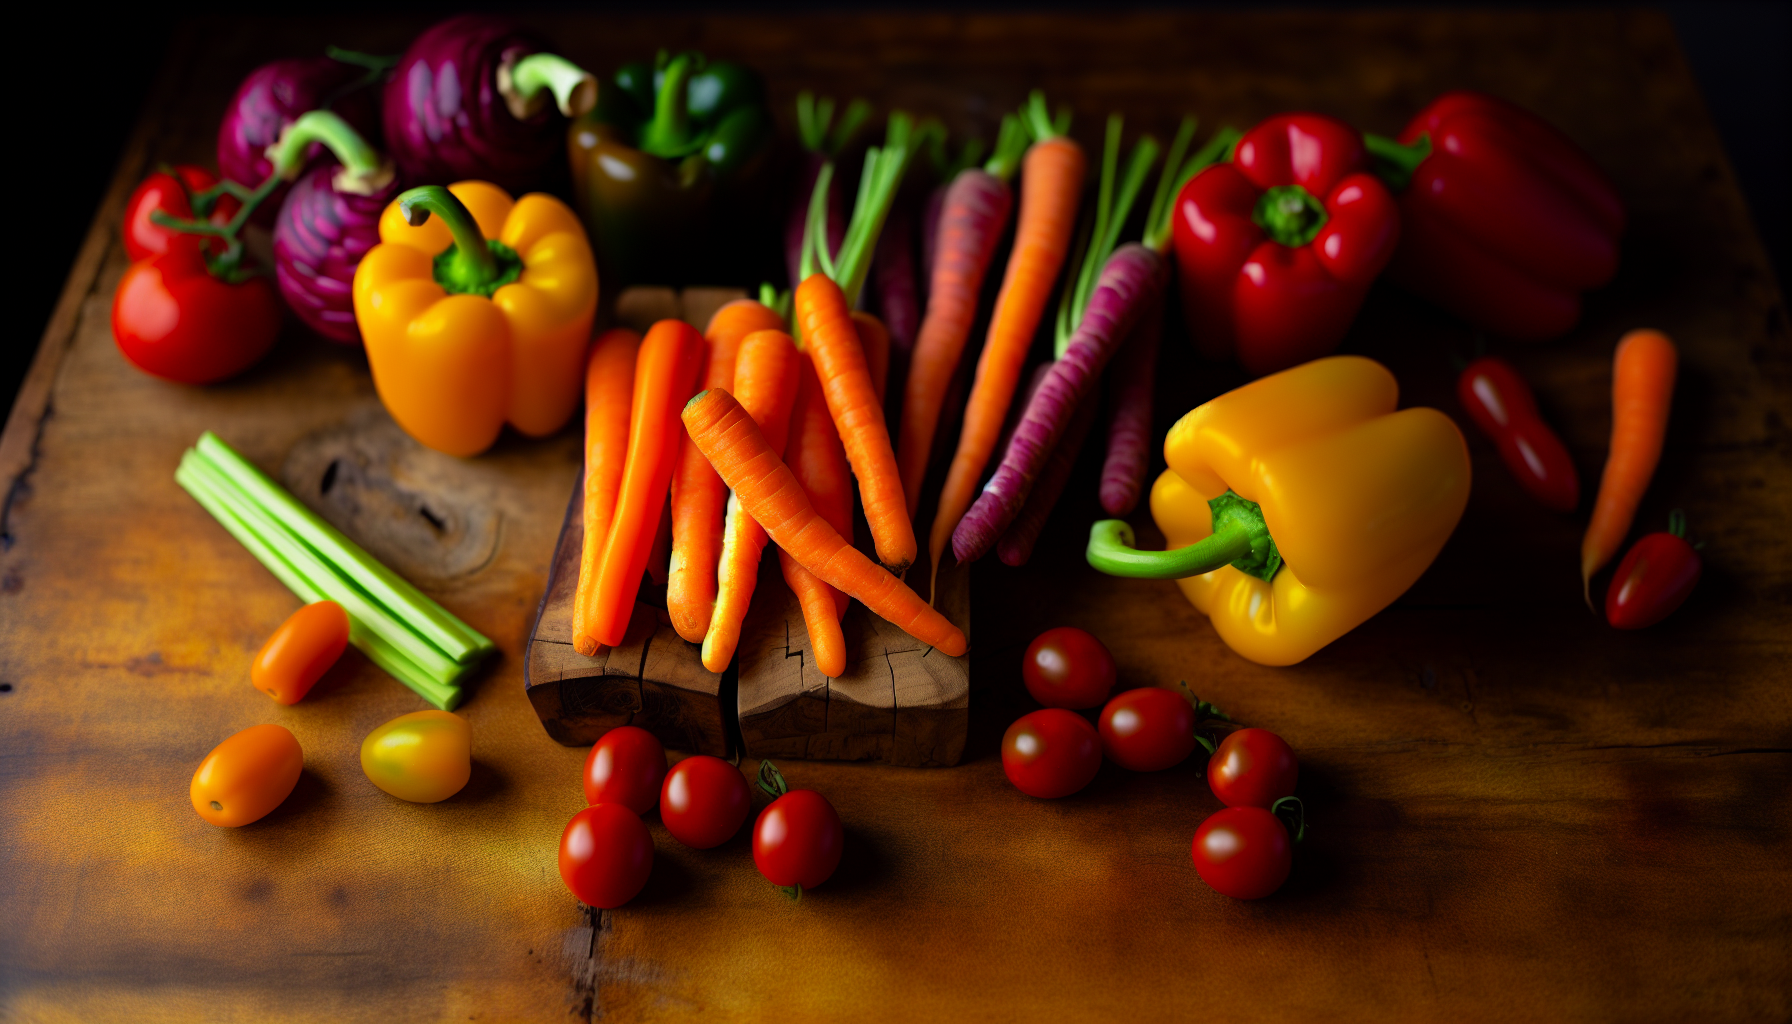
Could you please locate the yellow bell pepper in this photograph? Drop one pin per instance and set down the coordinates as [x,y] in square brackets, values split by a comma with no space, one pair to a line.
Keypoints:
[1298,506]
[478,315]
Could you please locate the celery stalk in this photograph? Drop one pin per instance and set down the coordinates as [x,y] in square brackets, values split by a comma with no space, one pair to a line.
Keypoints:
[435,623]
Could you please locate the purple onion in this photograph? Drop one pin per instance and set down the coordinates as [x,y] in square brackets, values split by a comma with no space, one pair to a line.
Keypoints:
[272,97]
[450,107]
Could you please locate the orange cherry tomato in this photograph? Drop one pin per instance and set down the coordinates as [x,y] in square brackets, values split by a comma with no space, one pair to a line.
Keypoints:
[247,775]
[300,651]
[423,757]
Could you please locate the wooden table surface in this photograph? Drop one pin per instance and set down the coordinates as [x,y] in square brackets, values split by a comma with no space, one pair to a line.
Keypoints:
[1516,813]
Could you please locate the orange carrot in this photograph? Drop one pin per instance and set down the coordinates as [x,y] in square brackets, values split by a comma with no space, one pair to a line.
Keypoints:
[765,381]
[666,371]
[830,336]
[698,496]
[769,492]
[1642,389]
[1051,186]
[609,390]
[659,554]
[874,338]
[819,465]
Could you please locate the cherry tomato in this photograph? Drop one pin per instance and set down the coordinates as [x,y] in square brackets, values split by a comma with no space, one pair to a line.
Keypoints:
[1051,753]
[606,855]
[300,651]
[1243,852]
[704,801]
[1252,768]
[625,767]
[1148,729]
[247,775]
[163,191]
[1500,403]
[1655,577]
[424,757]
[173,319]
[798,839]
[1068,668]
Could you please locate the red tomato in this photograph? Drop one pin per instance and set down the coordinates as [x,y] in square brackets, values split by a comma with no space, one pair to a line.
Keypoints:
[626,766]
[1655,578]
[300,651]
[704,801]
[1068,668]
[1243,852]
[143,237]
[798,840]
[605,855]
[1252,768]
[173,319]
[1051,753]
[1500,403]
[1148,729]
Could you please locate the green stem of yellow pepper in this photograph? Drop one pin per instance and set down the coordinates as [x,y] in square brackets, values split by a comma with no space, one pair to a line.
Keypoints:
[1239,539]
[473,265]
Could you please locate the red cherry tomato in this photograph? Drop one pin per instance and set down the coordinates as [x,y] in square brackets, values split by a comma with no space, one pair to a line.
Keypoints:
[300,651]
[1654,578]
[1243,852]
[1252,768]
[606,855]
[163,191]
[704,801]
[1068,668]
[1500,403]
[626,766]
[173,319]
[798,840]
[1051,753]
[1147,729]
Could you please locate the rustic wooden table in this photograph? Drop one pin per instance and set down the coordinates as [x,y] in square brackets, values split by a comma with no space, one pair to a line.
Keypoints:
[1517,813]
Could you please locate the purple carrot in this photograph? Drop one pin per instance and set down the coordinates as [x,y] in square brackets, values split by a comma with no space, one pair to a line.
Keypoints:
[1129,416]
[270,99]
[930,225]
[1016,545]
[1129,280]
[898,304]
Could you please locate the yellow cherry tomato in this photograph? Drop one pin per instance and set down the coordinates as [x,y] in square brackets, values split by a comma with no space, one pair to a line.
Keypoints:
[300,651]
[247,775]
[422,757]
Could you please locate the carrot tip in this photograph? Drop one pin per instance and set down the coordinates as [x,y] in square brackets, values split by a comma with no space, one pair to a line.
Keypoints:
[698,397]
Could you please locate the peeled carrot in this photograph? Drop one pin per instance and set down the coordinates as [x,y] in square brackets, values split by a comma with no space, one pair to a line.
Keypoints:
[831,337]
[874,338]
[818,462]
[769,492]
[1051,187]
[1643,372]
[609,390]
[666,371]
[765,382]
[698,495]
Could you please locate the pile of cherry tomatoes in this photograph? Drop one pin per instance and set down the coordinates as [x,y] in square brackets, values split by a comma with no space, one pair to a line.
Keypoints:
[606,852]
[1244,851]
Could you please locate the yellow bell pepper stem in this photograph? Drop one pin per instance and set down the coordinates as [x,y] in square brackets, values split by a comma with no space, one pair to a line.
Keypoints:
[473,265]
[1111,551]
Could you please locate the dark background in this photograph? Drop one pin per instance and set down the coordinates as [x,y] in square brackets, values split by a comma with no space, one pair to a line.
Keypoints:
[76,115]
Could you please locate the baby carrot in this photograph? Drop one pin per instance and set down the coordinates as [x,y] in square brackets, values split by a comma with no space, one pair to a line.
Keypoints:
[819,465]
[698,496]
[609,389]
[666,371]
[1051,187]
[1643,372]
[765,383]
[769,492]
[833,340]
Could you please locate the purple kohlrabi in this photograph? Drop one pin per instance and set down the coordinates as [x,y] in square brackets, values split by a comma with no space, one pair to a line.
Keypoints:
[271,98]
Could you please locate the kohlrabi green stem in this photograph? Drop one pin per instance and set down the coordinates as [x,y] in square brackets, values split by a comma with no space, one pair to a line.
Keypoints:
[371,62]
[350,149]
[574,88]
[668,134]
[1111,551]
[1395,162]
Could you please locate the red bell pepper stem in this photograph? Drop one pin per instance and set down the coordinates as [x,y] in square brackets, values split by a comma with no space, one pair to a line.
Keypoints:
[1289,215]
[1393,162]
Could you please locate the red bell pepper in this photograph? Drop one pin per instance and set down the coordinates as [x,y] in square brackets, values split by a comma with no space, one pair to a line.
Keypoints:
[1276,247]
[1504,221]
[171,191]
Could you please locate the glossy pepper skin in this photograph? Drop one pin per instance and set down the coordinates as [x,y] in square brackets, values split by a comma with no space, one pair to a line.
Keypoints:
[1358,499]
[1276,248]
[1500,402]
[668,163]
[1505,222]
[453,366]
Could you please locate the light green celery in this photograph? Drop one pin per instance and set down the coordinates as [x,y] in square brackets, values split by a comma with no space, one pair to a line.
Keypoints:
[446,696]
[436,624]
[320,574]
